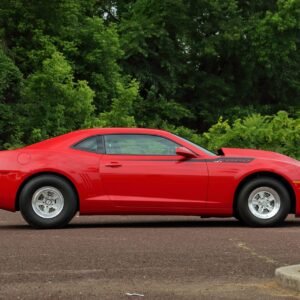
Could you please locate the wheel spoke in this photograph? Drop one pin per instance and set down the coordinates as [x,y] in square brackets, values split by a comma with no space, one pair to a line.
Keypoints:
[269,207]
[44,194]
[55,207]
[39,202]
[41,206]
[260,209]
[46,209]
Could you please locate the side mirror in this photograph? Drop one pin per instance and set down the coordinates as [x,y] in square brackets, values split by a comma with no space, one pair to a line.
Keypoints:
[185,152]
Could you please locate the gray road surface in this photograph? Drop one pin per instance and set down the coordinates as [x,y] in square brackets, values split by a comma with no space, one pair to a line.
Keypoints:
[158,257]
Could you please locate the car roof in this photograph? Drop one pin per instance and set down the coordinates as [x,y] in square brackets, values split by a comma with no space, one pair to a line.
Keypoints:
[70,138]
[119,130]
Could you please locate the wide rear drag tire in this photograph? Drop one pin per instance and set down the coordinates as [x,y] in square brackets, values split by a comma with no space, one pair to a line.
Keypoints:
[48,201]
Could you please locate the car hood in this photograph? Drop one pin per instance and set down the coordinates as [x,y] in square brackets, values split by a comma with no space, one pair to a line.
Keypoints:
[236,152]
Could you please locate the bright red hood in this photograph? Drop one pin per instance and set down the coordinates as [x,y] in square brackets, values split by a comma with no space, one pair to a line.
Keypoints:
[237,152]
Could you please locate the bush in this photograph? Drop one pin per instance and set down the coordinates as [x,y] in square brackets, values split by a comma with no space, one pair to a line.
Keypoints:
[278,133]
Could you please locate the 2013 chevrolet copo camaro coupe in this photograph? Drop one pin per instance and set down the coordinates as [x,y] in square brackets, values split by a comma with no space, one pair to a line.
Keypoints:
[124,171]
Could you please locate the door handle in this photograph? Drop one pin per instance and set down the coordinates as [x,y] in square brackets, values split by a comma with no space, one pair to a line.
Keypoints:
[113,164]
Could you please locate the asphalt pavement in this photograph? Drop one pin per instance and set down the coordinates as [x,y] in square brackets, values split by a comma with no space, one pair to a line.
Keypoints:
[145,257]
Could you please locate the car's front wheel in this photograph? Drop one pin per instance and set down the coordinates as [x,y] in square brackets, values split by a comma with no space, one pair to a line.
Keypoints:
[48,201]
[263,202]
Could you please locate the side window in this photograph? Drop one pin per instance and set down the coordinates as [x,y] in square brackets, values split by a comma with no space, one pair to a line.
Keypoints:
[91,144]
[139,144]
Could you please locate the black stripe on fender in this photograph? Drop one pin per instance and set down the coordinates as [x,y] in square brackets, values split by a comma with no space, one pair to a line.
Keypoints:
[241,160]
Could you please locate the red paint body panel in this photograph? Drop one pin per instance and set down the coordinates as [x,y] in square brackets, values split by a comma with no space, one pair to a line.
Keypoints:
[149,184]
[143,184]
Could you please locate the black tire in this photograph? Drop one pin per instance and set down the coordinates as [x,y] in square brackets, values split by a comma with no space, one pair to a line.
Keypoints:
[237,216]
[243,209]
[66,210]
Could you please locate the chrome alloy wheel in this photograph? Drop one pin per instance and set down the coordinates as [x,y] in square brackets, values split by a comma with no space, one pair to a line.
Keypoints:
[47,202]
[264,202]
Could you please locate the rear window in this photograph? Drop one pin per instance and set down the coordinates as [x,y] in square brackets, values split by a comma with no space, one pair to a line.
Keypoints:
[91,144]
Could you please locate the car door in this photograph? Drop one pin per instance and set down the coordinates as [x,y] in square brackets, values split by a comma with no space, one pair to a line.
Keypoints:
[141,173]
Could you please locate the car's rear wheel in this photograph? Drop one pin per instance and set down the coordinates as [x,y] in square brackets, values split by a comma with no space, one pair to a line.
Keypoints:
[48,201]
[263,202]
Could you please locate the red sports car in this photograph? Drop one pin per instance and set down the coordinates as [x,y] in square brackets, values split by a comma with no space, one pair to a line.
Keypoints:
[131,171]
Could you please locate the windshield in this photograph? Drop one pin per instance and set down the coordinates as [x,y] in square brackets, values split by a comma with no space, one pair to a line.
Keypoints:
[197,146]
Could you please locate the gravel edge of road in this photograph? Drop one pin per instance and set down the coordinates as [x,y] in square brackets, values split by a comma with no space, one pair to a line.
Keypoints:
[289,277]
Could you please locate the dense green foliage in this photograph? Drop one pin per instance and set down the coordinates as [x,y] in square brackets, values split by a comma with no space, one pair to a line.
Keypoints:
[278,133]
[174,64]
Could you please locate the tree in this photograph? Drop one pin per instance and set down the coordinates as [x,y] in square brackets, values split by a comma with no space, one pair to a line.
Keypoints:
[52,103]
[214,57]
[176,64]
[120,113]
[10,84]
